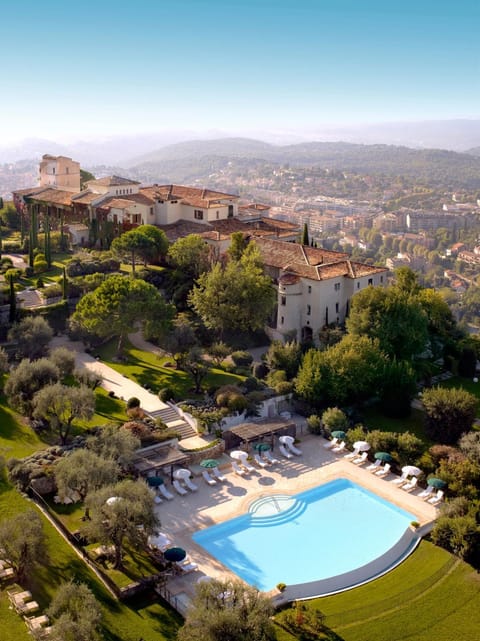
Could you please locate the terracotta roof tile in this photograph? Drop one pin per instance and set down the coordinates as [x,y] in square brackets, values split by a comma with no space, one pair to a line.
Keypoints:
[55,196]
[112,181]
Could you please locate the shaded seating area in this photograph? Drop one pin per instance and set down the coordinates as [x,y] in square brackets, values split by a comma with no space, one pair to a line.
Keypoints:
[24,604]
[264,430]
[156,460]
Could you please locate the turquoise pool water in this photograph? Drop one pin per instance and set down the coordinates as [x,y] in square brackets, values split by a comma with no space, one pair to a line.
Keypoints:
[326,531]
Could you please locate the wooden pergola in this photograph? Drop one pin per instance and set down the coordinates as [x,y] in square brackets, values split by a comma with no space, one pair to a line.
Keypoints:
[151,460]
[263,430]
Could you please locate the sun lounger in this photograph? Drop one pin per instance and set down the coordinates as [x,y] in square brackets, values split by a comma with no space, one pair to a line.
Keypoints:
[437,498]
[339,448]
[237,469]
[7,573]
[189,566]
[331,443]
[165,493]
[401,479]
[294,450]
[247,465]
[37,623]
[268,455]
[283,451]
[373,467]
[191,486]
[157,499]
[259,461]
[180,489]
[218,475]
[383,471]
[19,597]
[353,454]
[410,485]
[427,492]
[209,479]
[360,459]
[27,608]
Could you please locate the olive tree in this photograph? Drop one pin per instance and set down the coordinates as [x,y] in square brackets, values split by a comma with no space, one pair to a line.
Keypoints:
[61,404]
[23,540]
[76,614]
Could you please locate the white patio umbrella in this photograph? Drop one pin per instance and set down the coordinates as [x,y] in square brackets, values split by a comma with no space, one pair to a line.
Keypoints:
[286,439]
[238,455]
[361,446]
[113,499]
[182,473]
[411,470]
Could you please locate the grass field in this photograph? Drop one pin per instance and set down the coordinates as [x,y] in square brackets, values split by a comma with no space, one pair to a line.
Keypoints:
[375,420]
[430,596]
[143,617]
[148,369]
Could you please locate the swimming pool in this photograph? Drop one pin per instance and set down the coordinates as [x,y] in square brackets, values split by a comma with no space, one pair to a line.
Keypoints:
[336,529]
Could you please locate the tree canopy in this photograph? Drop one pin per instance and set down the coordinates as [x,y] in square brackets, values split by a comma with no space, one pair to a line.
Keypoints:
[146,242]
[32,335]
[26,380]
[61,404]
[449,412]
[228,611]
[190,255]
[76,614]
[237,296]
[22,540]
[118,305]
[117,521]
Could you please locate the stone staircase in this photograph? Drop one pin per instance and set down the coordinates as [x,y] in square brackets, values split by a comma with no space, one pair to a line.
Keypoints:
[172,419]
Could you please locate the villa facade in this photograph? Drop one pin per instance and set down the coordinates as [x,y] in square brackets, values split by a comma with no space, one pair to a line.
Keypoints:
[314,286]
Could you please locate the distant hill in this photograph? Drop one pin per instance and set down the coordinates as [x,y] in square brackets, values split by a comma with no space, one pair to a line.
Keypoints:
[196,159]
[475,151]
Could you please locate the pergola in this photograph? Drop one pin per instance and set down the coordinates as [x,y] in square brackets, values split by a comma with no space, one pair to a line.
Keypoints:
[155,458]
[263,430]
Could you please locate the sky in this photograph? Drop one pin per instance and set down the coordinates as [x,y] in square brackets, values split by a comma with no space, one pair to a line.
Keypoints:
[75,71]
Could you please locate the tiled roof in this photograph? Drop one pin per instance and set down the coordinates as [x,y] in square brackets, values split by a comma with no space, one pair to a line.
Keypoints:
[118,203]
[112,181]
[86,198]
[193,196]
[254,207]
[54,196]
[280,254]
[182,228]
[29,191]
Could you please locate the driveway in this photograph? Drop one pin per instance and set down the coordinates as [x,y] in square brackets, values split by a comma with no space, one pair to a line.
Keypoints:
[112,380]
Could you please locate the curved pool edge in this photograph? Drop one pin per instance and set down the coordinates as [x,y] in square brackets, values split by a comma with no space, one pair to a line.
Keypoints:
[349,580]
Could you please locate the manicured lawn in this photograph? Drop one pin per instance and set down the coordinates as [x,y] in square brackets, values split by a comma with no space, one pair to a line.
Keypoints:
[430,596]
[148,370]
[143,617]
[375,420]
[107,410]
[17,439]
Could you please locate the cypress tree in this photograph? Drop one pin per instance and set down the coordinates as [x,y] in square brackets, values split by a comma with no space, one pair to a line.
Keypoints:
[64,285]
[48,251]
[305,240]
[12,314]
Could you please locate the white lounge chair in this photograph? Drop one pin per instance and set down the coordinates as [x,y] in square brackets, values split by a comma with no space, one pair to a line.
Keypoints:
[353,454]
[427,492]
[259,461]
[437,498]
[410,485]
[180,489]
[237,469]
[191,486]
[294,450]
[283,451]
[269,456]
[186,567]
[360,459]
[383,471]
[209,479]
[247,465]
[373,467]
[157,500]
[218,475]
[165,493]
[401,479]
[339,448]
[331,443]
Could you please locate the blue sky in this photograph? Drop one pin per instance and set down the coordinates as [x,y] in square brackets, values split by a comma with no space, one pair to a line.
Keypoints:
[73,71]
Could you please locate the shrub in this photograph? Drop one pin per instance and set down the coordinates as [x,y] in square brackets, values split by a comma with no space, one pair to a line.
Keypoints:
[251,384]
[166,394]
[237,403]
[275,377]
[284,387]
[136,413]
[133,402]
[281,586]
[53,291]
[314,424]
[242,358]
[259,370]
[40,266]
[334,419]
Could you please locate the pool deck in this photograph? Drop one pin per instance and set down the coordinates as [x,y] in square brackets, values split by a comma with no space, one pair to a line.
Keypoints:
[183,516]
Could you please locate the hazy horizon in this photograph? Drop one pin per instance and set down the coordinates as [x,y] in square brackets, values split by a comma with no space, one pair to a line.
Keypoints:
[235,67]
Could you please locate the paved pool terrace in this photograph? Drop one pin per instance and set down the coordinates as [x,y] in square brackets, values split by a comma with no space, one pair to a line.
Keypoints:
[210,505]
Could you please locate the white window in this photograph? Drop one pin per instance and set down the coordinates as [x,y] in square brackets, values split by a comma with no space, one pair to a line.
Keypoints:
[336,308]
[370,281]
[283,300]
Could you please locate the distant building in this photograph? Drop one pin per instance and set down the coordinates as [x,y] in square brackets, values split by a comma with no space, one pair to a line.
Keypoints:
[60,172]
